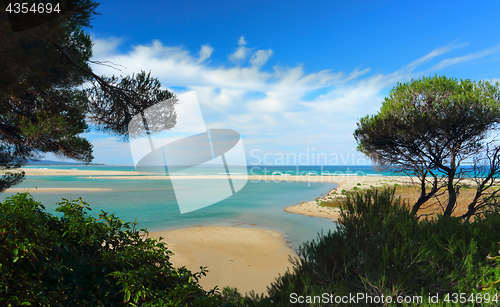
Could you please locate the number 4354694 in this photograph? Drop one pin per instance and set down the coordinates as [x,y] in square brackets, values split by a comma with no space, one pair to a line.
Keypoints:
[473,299]
[23,8]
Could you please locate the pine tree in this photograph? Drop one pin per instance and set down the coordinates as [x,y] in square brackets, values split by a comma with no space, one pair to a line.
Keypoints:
[49,93]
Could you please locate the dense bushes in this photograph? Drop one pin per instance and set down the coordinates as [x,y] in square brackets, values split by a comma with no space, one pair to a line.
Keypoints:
[78,260]
[380,249]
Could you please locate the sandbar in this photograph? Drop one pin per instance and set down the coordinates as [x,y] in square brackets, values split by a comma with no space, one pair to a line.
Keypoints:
[311,208]
[344,182]
[245,258]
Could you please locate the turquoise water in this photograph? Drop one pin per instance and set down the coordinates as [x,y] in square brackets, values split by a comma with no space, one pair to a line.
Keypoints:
[153,203]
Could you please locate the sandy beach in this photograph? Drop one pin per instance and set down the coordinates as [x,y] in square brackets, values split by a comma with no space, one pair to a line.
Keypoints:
[311,208]
[245,258]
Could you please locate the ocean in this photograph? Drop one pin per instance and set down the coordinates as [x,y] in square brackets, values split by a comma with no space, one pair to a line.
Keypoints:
[153,203]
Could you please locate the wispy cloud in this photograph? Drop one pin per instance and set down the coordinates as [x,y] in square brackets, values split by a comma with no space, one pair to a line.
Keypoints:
[433,54]
[466,58]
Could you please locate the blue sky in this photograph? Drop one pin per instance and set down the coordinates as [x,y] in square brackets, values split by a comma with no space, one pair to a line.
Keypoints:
[292,77]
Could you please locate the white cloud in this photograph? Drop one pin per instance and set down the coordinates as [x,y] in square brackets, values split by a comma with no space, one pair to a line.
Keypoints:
[103,47]
[240,54]
[218,99]
[274,102]
[268,106]
[205,53]
[260,57]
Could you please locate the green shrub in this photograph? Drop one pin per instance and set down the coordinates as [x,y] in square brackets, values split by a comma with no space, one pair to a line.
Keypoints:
[380,249]
[76,259]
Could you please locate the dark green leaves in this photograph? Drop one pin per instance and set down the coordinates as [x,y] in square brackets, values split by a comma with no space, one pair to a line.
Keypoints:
[78,259]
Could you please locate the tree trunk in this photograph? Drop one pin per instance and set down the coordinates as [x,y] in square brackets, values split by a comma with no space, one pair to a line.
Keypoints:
[452,194]
[423,195]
